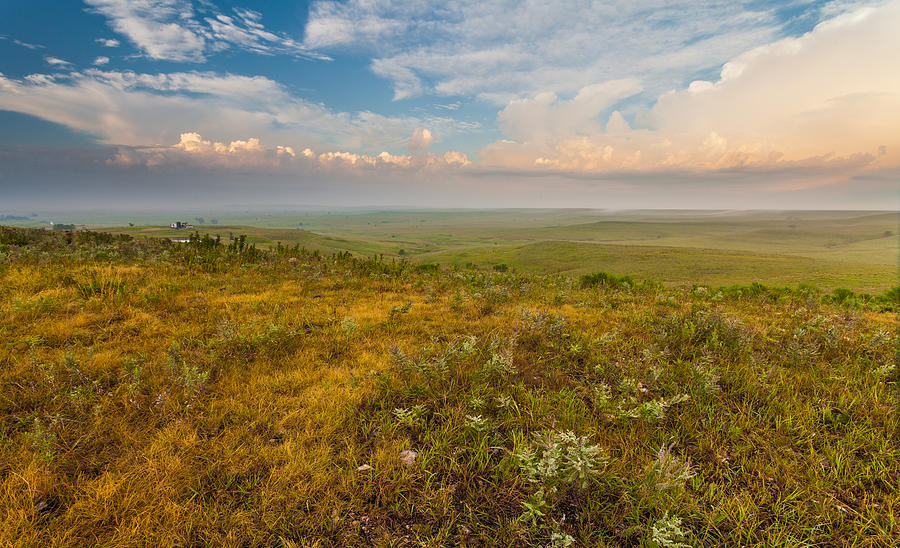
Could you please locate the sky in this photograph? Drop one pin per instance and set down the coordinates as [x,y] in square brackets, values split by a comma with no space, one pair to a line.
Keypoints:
[131,104]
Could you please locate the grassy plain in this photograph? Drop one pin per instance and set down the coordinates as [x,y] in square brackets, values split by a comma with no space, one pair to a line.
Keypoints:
[857,250]
[195,394]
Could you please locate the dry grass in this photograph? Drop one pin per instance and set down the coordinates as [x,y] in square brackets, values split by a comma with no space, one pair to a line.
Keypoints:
[179,394]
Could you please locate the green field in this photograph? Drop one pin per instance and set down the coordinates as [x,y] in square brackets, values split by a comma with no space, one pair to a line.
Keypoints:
[829,249]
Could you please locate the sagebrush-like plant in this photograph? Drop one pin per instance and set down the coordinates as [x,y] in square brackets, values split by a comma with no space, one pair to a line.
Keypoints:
[667,472]
[560,460]
[410,417]
[667,532]
[349,326]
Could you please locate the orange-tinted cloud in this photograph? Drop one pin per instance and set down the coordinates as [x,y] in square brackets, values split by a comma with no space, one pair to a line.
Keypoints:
[830,96]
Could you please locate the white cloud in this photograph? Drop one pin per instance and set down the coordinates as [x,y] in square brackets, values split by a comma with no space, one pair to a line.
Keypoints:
[545,117]
[28,45]
[830,98]
[137,109]
[177,30]
[107,42]
[501,51]
[100,61]
[420,141]
[193,151]
[56,61]
[163,29]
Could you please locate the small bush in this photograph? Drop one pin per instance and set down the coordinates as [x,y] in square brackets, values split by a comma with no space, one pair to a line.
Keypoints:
[605,279]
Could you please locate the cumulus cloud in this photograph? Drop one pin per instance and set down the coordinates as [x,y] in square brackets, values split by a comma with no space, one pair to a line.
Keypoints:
[193,151]
[177,30]
[100,61]
[829,98]
[420,141]
[108,42]
[545,117]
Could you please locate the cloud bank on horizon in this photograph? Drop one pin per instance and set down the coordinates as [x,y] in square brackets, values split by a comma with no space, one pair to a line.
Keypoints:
[727,99]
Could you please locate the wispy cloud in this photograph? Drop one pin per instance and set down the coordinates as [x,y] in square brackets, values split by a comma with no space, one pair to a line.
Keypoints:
[139,109]
[21,43]
[180,30]
[100,61]
[28,45]
[56,61]
[502,51]
[108,42]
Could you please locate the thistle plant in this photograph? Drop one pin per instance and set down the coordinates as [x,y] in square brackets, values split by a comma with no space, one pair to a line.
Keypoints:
[667,473]
[561,540]
[506,402]
[601,396]
[477,423]
[411,417]
[536,507]
[667,532]
[477,403]
[652,410]
[557,460]
[498,365]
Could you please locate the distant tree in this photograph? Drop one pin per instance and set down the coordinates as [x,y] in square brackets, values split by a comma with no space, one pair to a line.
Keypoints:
[214,221]
[200,220]
[401,252]
[130,224]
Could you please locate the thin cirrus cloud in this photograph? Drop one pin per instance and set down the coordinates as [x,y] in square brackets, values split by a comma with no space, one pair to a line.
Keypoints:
[500,51]
[180,30]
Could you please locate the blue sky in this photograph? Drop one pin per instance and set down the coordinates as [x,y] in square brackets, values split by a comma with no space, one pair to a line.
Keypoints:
[471,90]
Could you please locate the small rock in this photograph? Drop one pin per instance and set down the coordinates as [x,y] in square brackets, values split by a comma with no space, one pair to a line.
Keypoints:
[408,456]
[364,468]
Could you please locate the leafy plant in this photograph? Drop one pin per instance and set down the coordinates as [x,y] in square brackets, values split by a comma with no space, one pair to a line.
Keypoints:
[667,532]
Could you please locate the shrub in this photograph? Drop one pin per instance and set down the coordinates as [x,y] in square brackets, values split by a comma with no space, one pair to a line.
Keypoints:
[606,279]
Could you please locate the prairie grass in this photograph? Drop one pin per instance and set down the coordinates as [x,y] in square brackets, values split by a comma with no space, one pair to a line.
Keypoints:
[203,394]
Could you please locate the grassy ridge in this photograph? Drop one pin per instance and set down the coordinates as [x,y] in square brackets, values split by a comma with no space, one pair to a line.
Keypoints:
[160,393]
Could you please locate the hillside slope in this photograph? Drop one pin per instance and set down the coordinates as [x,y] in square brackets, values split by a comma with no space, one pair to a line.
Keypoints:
[202,394]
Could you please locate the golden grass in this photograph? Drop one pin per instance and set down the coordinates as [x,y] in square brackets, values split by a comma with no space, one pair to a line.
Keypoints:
[145,402]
